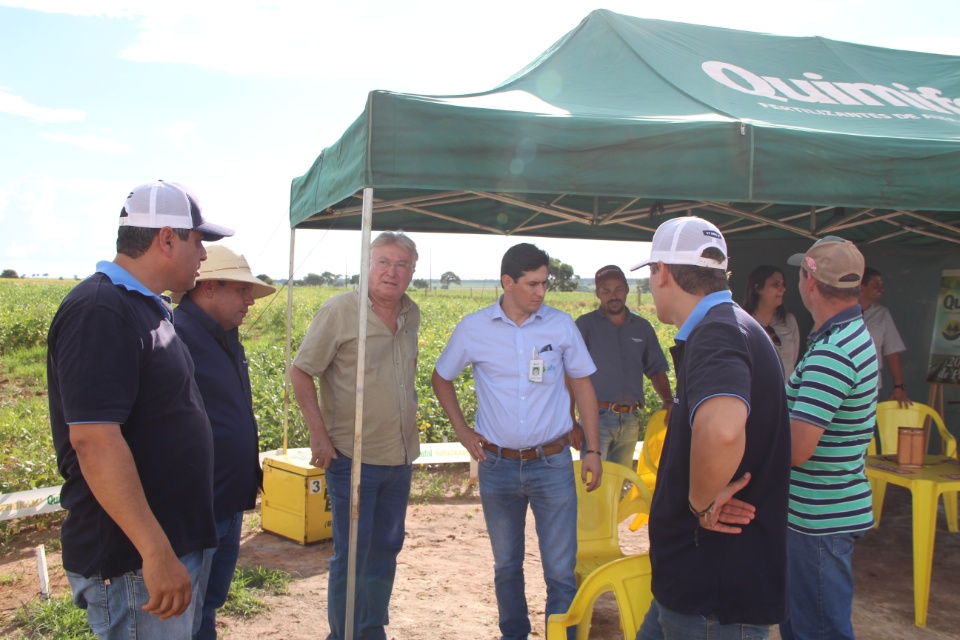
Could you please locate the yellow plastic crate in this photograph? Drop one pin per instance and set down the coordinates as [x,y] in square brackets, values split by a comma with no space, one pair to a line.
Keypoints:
[295,502]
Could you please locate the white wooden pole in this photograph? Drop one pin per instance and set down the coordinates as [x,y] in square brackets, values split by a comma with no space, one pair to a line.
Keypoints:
[367,220]
[286,377]
[42,570]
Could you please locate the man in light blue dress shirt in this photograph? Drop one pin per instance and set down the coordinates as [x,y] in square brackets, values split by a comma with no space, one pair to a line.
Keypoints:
[520,350]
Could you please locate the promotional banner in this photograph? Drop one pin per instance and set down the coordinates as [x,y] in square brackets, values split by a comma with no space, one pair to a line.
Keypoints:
[29,503]
[944,365]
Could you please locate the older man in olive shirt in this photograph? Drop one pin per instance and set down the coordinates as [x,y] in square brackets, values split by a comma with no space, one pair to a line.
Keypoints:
[391,439]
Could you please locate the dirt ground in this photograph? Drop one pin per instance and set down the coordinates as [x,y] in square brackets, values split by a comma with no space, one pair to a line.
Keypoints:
[444,586]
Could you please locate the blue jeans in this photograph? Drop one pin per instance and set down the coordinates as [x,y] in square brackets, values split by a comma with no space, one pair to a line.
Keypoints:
[820,574]
[215,581]
[114,605]
[661,623]
[619,433]
[384,492]
[507,486]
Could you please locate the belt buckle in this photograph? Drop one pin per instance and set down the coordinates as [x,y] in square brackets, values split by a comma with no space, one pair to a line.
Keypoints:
[524,453]
[616,407]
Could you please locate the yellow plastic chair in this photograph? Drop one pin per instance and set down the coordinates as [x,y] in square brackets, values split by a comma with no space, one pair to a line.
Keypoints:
[649,462]
[599,515]
[628,578]
[890,416]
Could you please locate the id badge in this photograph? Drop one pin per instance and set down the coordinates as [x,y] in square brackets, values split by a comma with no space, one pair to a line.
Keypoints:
[536,370]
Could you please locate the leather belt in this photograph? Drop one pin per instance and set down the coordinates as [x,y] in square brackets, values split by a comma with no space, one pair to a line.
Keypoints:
[530,453]
[616,407]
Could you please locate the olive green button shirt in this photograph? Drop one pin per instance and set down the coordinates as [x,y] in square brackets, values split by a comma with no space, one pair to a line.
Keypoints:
[329,353]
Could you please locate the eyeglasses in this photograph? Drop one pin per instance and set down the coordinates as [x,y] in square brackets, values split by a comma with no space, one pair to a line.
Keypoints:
[401,265]
[773,334]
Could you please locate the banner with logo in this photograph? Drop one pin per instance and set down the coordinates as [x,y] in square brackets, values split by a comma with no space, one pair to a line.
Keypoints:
[944,365]
[29,503]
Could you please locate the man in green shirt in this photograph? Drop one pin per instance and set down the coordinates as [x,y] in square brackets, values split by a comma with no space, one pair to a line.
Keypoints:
[832,398]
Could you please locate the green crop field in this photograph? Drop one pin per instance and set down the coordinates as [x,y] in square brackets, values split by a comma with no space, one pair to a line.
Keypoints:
[26,308]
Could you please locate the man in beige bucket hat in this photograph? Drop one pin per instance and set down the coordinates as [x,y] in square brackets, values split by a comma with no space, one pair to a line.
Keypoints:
[207,320]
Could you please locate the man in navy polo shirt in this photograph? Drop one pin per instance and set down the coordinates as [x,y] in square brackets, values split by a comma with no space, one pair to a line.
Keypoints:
[207,320]
[133,441]
[719,561]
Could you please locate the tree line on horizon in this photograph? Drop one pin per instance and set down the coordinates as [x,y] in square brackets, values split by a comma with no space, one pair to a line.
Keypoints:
[561,278]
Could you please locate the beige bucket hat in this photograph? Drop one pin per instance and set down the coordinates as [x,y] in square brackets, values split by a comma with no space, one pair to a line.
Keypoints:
[224,264]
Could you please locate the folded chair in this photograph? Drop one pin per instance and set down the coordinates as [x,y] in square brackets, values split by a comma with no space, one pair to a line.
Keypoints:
[628,578]
[649,461]
[599,515]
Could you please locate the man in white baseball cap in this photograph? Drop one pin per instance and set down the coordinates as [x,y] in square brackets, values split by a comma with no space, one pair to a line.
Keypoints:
[207,320]
[159,204]
[132,438]
[729,435]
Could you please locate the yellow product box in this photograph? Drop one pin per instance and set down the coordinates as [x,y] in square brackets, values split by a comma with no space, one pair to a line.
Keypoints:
[295,503]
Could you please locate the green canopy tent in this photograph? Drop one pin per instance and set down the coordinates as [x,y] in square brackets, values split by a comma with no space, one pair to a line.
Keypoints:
[625,122]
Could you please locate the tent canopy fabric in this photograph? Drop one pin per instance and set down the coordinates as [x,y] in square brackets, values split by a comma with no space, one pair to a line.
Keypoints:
[626,121]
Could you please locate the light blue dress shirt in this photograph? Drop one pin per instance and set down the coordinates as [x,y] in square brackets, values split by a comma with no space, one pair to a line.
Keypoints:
[514,412]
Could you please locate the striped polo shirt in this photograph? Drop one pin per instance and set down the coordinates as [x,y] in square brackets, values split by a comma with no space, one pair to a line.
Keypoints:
[835,387]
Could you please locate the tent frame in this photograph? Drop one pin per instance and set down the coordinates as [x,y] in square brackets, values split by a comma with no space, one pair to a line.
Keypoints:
[642,218]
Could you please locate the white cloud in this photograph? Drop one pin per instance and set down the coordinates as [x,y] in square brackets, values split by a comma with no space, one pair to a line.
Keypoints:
[17,106]
[334,39]
[180,132]
[21,250]
[58,226]
[91,143]
[279,39]
[427,46]
[107,8]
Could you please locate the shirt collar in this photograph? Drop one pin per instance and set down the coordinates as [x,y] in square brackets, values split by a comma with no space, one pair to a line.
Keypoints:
[847,315]
[706,303]
[406,302]
[498,313]
[188,306]
[123,278]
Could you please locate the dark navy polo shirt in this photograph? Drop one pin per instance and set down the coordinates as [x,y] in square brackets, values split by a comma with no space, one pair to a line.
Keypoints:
[623,355]
[739,578]
[114,357]
[222,374]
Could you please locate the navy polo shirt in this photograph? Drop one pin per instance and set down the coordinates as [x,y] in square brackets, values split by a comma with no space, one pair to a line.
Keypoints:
[740,578]
[114,357]
[623,355]
[223,377]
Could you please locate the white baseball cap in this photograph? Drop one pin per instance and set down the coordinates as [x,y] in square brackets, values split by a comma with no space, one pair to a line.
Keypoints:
[159,204]
[683,240]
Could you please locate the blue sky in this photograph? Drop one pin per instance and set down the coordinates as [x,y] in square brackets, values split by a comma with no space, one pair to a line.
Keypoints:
[235,99]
